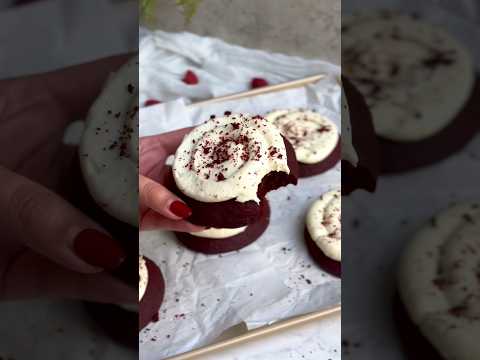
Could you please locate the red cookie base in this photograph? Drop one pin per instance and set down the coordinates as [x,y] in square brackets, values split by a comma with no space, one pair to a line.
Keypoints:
[153,297]
[217,246]
[415,344]
[233,214]
[326,164]
[330,266]
[365,174]
[400,157]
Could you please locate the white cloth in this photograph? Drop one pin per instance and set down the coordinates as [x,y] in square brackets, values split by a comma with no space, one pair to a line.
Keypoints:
[221,68]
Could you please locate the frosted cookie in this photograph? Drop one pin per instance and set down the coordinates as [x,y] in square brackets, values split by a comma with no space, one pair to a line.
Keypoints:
[215,241]
[109,148]
[151,291]
[225,167]
[419,83]
[438,283]
[106,186]
[323,232]
[314,137]
[361,162]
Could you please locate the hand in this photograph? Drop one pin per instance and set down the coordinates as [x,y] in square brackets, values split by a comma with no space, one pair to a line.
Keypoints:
[159,208]
[47,246]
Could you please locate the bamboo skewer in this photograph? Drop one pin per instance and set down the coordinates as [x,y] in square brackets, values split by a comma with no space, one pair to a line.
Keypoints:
[263,90]
[260,332]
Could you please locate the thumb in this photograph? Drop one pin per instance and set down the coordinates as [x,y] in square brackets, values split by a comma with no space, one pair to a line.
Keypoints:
[156,197]
[44,222]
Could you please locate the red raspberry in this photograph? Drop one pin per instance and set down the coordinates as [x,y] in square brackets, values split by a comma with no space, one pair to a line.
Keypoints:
[258,82]
[190,78]
[151,102]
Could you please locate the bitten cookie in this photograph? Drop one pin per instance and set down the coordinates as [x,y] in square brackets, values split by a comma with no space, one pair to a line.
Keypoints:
[360,154]
[224,167]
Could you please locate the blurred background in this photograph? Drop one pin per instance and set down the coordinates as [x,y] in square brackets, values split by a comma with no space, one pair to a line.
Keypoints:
[307,28]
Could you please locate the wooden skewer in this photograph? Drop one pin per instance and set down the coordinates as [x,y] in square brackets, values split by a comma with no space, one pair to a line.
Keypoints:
[263,90]
[260,332]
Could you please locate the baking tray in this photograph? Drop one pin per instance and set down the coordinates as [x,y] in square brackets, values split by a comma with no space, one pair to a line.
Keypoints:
[283,326]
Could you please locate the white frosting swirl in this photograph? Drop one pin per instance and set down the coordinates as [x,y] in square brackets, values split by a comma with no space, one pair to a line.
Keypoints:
[227,157]
[415,76]
[109,148]
[142,278]
[348,151]
[324,224]
[312,135]
[439,281]
[216,233]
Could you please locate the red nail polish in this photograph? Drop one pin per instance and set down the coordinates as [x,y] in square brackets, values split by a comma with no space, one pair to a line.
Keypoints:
[180,209]
[151,102]
[98,249]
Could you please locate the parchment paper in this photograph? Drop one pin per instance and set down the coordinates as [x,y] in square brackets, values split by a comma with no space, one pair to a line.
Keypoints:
[271,279]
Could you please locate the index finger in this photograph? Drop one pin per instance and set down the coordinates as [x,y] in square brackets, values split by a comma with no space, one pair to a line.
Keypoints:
[169,141]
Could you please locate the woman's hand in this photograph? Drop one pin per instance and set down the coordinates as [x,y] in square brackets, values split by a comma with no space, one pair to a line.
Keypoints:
[159,208]
[47,246]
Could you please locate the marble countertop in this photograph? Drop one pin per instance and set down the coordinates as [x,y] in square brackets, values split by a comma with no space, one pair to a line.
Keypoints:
[307,28]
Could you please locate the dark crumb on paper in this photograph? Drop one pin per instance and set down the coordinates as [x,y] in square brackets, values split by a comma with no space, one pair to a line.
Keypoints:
[251,294]
[168,336]
[309,282]
[288,198]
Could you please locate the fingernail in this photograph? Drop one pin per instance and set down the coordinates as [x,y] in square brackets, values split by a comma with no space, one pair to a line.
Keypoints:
[98,249]
[180,209]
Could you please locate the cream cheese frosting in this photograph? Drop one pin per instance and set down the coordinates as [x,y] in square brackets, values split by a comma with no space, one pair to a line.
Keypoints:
[109,147]
[312,135]
[142,285]
[324,224]
[348,151]
[439,281]
[227,157]
[216,233]
[415,76]
[142,278]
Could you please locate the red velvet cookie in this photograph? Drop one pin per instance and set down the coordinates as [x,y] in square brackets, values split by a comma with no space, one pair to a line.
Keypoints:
[307,170]
[404,156]
[153,297]
[365,174]
[215,153]
[232,243]
[314,136]
[415,345]
[331,266]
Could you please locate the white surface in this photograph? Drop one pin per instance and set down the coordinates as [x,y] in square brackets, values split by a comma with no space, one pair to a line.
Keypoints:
[269,280]
[58,35]
[221,68]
